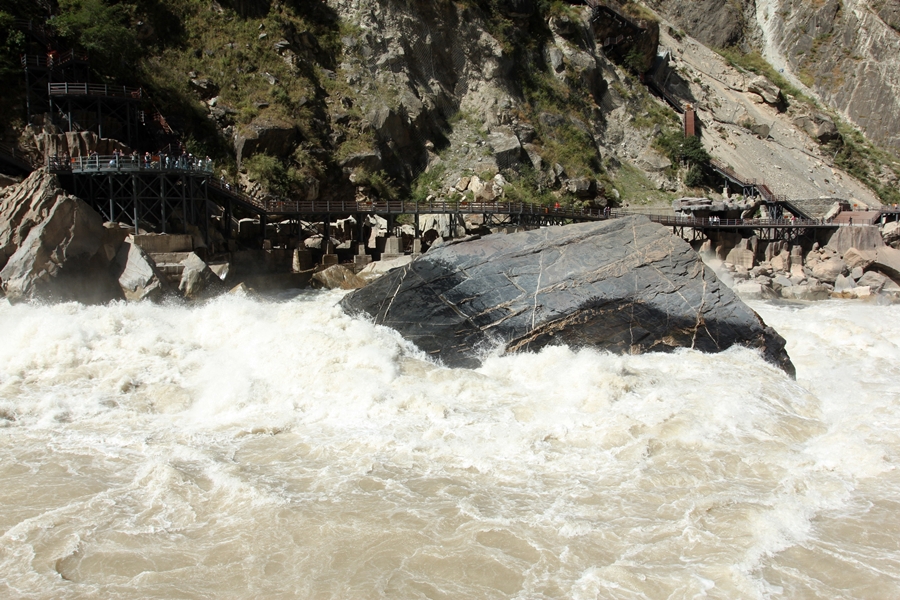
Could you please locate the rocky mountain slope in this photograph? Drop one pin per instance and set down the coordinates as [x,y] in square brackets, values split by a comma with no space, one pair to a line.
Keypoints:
[533,100]
[841,53]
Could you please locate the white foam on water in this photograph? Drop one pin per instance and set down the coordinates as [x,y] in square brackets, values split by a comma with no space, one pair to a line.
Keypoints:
[248,448]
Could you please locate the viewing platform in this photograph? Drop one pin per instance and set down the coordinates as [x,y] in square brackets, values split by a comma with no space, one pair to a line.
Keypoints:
[97,90]
[52,60]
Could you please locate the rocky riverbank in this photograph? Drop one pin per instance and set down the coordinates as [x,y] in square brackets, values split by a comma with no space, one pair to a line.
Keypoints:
[856,262]
[55,247]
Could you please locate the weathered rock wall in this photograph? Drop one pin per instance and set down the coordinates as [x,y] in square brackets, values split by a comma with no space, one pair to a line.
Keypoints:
[846,52]
[843,51]
[715,23]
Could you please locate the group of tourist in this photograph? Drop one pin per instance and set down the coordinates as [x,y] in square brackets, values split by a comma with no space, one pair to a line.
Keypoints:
[185,161]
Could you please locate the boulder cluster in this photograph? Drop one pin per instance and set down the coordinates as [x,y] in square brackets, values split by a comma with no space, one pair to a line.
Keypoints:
[856,263]
[54,246]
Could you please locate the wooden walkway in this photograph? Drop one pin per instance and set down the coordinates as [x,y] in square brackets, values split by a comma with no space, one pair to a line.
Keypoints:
[139,192]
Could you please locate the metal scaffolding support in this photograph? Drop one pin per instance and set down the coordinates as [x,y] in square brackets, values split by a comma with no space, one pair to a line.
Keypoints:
[161,201]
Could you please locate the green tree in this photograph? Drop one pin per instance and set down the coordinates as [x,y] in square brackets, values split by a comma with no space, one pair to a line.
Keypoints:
[682,149]
[12,43]
[694,176]
[104,30]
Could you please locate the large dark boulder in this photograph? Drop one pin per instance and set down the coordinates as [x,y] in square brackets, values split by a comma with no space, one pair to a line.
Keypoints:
[626,286]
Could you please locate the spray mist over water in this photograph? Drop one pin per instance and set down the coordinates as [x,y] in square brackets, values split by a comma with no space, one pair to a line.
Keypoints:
[245,448]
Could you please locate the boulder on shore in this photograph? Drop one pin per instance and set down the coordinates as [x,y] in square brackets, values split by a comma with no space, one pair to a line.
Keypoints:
[140,279]
[626,285]
[54,246]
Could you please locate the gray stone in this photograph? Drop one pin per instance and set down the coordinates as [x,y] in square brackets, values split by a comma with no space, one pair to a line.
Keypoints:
[805,292]
[506,147]
[139,278]
[780,281]
[389,125]
[338,277]
[818,126]
[204,88]
[753,290]
[582,187]
[380,267]
[887,261]
[555,58]
[863,237]
[856,273]
[875,281]
[858,259]
[368,160]
[534,156]
[23,206]
[63,258]
[842,283]
[198,281]
[625,285]
[650,160]
[890,233]
[828,270]
[765,88]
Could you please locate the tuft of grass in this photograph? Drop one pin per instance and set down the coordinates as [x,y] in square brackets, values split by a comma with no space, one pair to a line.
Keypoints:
[865,161]
[378,182]
[525,187]
[635,189]
[428,182]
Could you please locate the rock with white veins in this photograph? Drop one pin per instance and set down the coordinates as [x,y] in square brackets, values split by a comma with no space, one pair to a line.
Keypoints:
[626,285]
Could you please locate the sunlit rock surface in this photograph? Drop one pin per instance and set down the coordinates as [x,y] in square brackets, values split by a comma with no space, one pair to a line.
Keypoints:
[626,285]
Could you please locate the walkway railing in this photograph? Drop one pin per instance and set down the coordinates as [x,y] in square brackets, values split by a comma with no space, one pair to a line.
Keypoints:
[52,59]
[92,89]
[281,206]
[130,162]
[715,222]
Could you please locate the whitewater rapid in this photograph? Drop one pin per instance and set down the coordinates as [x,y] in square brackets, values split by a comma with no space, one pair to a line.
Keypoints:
[281,449]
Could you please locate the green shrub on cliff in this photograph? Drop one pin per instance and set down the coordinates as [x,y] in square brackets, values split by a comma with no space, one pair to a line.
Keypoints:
[104,30]
[681,149]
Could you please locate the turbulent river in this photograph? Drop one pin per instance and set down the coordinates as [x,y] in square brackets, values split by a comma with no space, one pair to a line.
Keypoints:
[280,449]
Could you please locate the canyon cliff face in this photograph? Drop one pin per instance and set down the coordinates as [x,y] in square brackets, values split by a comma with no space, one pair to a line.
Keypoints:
[471,98]
[845,52]
[525,100]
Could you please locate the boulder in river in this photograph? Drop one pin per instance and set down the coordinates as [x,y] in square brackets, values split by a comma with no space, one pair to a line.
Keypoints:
[626,285]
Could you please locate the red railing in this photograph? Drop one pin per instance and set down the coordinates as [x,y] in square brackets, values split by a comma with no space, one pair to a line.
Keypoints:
[93,89]
[163,123]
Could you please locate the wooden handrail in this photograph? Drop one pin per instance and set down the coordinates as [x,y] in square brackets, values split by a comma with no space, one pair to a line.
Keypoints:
[93,89]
